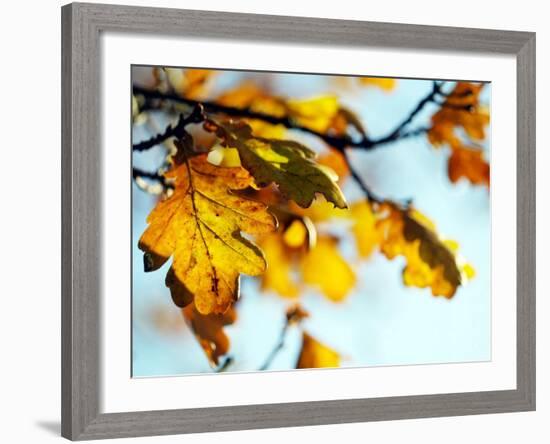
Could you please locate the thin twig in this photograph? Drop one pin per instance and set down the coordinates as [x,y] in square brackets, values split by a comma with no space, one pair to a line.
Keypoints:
[398,131]
[196,116]
[359,180]
[337,142]
[278,347]
[138,173]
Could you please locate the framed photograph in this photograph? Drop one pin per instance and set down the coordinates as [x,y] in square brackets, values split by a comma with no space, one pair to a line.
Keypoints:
[278,221]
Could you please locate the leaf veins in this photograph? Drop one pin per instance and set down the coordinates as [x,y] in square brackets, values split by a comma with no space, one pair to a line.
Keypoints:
[200,225]
[287,163]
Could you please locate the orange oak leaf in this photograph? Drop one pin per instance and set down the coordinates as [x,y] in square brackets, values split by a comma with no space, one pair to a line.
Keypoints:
[190,83]
[461,109]
[200,225]
[468,163]
[314,354]
[208,329]
[386,84]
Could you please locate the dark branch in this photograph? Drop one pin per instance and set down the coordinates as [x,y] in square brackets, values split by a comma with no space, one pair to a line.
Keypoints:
[337,142]
[399,129]
[196,116]
[136,172]
[278,347]
[154,99]
[360,182]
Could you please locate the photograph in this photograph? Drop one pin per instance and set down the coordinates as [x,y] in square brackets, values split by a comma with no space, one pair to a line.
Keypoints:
[285,221]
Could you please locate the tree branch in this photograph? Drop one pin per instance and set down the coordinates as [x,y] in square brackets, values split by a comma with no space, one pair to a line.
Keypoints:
[196,116]
[140,174]
[154,99]
[278,347]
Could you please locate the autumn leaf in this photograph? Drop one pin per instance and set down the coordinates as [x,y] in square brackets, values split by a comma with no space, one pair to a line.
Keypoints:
[323,267]
[320,210]
[287,163]
[431,262]
[343,120]
[468,163]
[335,160]
[314,354]
[190,83]
[322,113]
[250,95]
[279,275]
[208,329]
[200,225]
[383,83]
[316,113]
[461,109]
[367,235]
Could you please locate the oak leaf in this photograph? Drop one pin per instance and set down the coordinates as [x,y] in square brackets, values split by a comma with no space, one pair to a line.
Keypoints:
[322,113]
[384,83]
[468,163]
[208,329]
[323,267]
[314,354]
[279,276]
[286,163]
[367,235]
[461,109]
[190,83]
[200,225]
[431,262]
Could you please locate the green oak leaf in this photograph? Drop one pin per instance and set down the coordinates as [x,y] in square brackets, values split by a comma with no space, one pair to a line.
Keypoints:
[287,163]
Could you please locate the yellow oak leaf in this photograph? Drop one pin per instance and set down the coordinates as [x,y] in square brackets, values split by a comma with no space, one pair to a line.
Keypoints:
[316,113]
[324,267]
[190,83]
[200,225]
[367,235]
[320,210]
[383,83]
[279,275]
[322,114]
[286,163]
[430,261]
[208,330]
[314,354]
[250,95]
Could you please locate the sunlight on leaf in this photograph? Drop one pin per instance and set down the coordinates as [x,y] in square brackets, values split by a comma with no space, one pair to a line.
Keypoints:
[383,83]
[367,235]
[430,261]
[323,267]
[279,274]
[316,355]
[190,83]
[200,225]
[289,164]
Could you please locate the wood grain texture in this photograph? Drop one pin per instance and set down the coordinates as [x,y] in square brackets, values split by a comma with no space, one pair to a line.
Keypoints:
[81,227]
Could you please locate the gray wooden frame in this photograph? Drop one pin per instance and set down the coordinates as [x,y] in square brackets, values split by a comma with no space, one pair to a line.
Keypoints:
[81,229]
